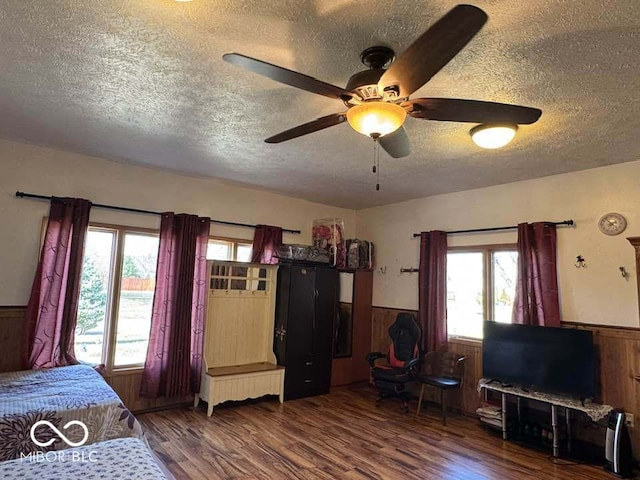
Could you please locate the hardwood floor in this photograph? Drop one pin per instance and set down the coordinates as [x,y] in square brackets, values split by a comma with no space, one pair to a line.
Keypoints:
[341,436]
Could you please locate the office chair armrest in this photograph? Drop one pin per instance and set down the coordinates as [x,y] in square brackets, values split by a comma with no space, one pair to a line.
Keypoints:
[373,356]
[412,365]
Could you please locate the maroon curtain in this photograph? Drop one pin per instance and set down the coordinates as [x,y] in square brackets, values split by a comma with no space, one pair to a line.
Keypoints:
[174,357]
[432,290]
[266,241]
[51,316]
[536,301]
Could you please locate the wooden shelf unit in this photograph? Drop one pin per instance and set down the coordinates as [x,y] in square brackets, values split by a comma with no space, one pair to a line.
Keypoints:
[239,362]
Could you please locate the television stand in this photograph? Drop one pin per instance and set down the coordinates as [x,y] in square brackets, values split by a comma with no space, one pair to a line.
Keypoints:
[596,412]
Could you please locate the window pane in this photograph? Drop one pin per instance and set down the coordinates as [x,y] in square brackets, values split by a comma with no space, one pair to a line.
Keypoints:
[505,270]
[136,298]
[465,294]
[218,250]
[94,290]
[243,252]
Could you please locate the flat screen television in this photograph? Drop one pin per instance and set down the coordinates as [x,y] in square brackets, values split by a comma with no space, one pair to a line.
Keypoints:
[552,360]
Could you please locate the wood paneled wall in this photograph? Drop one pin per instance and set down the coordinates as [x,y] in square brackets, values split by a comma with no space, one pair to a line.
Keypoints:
[11,323]
[619,350]
[127,386]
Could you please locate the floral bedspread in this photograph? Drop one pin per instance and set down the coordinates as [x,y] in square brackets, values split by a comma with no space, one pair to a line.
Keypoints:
[123,458]
[59,396]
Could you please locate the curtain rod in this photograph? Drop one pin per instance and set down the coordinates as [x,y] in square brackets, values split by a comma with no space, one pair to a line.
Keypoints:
[495,229]
[147,212]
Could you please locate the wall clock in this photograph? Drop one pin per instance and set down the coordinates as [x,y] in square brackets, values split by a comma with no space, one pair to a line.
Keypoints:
[612,223]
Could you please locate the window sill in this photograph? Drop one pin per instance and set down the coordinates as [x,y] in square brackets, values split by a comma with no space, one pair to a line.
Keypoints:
[470,341]
[123,371]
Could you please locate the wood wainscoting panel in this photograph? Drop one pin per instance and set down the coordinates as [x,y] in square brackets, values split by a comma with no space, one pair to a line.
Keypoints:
[11,329]
[619,351]
[127,385]
[468,400]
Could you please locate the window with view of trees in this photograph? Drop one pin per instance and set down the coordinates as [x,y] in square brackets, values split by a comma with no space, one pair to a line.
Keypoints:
[480,286]
[116,292]
[116,296]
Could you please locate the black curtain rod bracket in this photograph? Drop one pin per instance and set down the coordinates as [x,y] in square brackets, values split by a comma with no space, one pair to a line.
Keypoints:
[497,229]
[146,212]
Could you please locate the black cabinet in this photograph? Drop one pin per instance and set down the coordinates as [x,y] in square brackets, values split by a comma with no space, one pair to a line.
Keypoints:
[306,302]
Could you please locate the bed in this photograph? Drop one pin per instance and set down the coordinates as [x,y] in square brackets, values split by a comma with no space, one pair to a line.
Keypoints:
[122,458]
[59,396]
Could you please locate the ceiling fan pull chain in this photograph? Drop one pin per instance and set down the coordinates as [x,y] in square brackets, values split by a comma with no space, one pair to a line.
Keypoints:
[377,159]
[375,150]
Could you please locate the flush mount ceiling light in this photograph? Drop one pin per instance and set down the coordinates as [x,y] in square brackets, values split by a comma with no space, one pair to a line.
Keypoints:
[376,119]
[493,136]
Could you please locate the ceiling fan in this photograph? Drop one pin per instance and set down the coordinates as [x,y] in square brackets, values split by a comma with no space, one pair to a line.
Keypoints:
[377,99]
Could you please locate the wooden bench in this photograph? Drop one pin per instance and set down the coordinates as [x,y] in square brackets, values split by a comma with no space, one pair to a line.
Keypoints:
[240,382]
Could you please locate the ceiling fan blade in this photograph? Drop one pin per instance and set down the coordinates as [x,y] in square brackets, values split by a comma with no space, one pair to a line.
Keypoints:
[474,111]
[306,128]
[433,49]
[288,77]
[396,144]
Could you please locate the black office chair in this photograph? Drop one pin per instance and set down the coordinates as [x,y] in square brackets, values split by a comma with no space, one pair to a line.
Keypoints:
[403,360]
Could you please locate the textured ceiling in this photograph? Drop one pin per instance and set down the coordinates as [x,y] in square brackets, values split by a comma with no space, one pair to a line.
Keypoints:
[142,81]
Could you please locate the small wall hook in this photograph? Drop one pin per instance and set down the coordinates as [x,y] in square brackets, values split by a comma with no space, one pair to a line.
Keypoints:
[623,272]
[383,270]
[580,262]
[409,270]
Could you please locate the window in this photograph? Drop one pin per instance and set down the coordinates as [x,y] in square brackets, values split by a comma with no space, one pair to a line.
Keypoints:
[116,296]
[116,292]
[481,284]
[229,249]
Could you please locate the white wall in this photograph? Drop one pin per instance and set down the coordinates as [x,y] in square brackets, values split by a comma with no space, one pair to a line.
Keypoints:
[50,172]
[597,294]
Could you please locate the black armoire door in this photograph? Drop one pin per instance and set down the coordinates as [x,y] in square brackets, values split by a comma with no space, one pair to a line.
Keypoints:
[325,315]
[305,311]
[301,321]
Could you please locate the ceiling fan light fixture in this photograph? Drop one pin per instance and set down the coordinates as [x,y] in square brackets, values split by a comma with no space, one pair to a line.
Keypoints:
[376,119]
[493,136]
